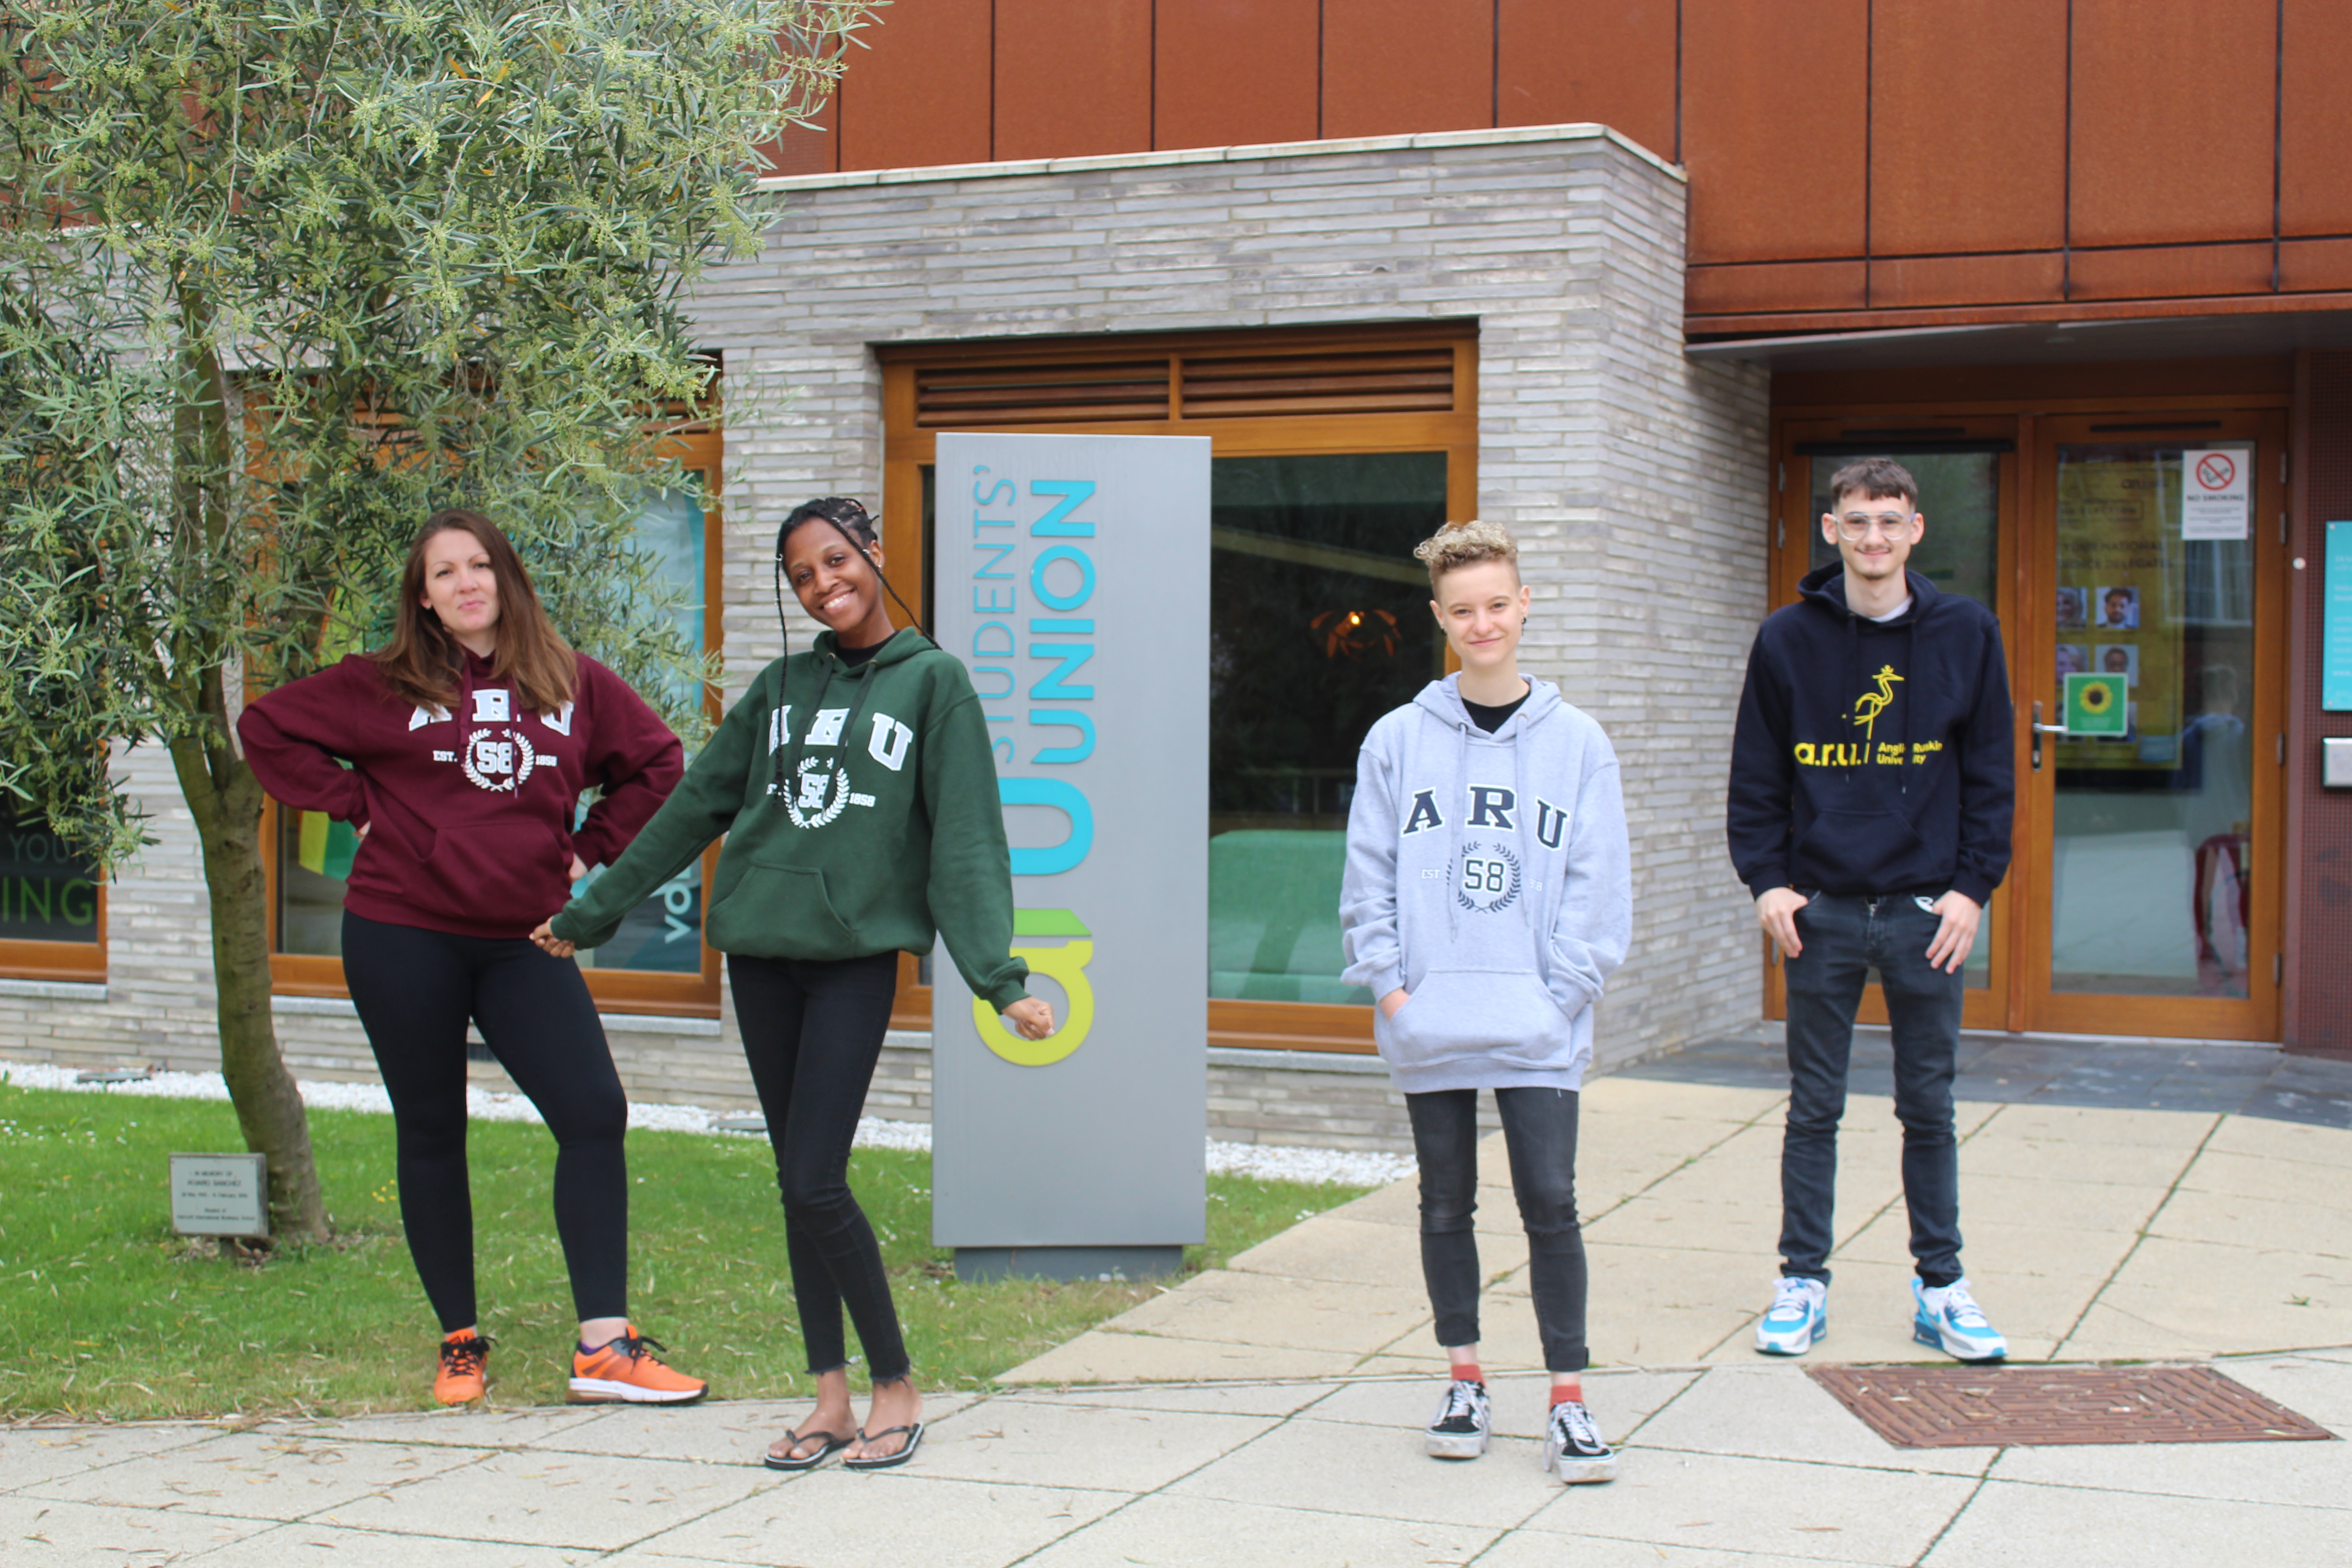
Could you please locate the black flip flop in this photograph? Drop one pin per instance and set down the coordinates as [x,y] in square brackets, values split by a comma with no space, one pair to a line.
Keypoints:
[833,1444]
[913,1441]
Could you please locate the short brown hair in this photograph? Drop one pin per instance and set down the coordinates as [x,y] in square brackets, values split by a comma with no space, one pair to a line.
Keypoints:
[1461,545]
[1876,477]
[421,661]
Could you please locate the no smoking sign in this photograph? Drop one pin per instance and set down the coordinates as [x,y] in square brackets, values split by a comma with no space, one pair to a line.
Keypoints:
[2216,494]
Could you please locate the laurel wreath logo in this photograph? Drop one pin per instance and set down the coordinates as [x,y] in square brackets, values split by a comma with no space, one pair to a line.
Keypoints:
[833,808]
[1509,895]
[524,760]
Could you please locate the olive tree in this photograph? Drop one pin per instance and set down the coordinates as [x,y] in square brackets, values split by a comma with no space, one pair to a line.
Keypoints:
[278,278]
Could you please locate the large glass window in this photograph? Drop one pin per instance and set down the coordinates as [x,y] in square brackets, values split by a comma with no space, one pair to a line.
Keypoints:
[2151,873]
[1320,624]
[50,913]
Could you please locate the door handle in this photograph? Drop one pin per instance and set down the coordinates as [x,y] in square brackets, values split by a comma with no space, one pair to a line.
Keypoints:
[2039,730]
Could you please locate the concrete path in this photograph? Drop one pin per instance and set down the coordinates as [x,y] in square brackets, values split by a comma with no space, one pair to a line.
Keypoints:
[1268,1412]
[1724,1467]
[2092,1234]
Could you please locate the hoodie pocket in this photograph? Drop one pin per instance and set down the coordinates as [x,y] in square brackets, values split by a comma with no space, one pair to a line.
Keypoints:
[1456,1013]
[1861,851]
[509,875]
[780,911]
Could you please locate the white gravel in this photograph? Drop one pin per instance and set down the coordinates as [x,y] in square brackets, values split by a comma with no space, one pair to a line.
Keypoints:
[1348,1167]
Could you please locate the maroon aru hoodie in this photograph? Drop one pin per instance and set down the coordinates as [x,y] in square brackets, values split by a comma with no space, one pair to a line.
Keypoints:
[468,813]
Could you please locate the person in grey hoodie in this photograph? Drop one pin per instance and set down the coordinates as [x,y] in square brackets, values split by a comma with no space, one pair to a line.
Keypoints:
[1488,896]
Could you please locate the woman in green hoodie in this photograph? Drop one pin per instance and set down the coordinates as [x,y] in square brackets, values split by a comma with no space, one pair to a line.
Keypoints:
[857,793]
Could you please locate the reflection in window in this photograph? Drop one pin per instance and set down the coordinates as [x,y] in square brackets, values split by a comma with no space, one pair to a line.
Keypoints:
[48,893]
[1320,624]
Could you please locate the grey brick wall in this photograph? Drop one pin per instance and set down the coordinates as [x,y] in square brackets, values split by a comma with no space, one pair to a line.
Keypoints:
[1634,479]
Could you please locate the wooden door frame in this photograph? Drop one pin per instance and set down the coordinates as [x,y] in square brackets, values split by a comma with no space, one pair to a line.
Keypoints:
[2258,1016]
[1272,1026]
[2035,400]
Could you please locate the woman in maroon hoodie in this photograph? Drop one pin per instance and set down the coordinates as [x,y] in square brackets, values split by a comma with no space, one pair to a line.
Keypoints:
[458,750]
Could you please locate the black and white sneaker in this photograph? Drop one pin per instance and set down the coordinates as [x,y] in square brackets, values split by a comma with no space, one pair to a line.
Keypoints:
[1459,1431]
[1572,1447]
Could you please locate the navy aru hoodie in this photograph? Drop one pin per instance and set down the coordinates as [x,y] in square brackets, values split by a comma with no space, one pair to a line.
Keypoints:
[1874,757]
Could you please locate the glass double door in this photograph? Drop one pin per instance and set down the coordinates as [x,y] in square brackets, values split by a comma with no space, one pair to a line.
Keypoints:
[2135,563]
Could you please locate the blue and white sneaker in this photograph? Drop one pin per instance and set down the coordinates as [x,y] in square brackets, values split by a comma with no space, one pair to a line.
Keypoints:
[1799,1318]
[1949,1319]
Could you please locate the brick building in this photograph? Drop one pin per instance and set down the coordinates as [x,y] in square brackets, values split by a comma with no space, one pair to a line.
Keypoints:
[1631,277]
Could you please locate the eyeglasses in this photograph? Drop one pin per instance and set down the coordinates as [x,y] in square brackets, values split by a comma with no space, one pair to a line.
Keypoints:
[1855,526]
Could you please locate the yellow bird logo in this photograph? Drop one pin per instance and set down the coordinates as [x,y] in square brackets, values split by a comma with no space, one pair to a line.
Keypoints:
[1871,704]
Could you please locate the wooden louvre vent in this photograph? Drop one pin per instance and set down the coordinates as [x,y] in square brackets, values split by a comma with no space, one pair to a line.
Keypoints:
[1371,380]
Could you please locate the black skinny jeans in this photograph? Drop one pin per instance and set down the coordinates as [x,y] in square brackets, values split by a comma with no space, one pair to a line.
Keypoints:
[812,1032]
[414,990]
[1844,937]
[1539,1131]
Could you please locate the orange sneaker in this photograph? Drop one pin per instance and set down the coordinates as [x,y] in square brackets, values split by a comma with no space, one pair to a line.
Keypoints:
[465,1372]
[627,1371]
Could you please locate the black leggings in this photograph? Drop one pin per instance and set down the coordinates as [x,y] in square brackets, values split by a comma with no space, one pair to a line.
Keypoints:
[813,1031]
[415,989]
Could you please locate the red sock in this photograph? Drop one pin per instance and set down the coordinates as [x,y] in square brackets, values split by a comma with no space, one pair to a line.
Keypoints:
[1567,1394]
[1467,1371]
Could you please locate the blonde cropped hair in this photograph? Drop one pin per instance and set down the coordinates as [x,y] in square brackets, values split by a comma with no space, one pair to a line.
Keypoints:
[1461,545]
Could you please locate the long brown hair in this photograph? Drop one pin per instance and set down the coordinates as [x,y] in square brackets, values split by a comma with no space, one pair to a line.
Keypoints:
[421,661]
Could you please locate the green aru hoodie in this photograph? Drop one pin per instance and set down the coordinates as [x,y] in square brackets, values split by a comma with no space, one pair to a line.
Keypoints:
[885,826]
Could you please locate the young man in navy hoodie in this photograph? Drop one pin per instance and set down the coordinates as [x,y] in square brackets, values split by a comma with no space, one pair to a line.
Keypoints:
[1871,780]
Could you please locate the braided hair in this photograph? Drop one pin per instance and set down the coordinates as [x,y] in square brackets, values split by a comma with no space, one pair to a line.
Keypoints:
[853,524]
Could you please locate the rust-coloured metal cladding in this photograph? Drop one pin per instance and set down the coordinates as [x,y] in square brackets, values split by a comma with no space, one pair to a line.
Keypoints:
[1391,66]
[1073,78]
[1904,282]
[1775,286]
[807,149]
[1967,129]
[1206,50]
[1775,116]
[1611,62]
[917,95]
[2174,103]
[2169,272]
[2309,265]
[2315,122]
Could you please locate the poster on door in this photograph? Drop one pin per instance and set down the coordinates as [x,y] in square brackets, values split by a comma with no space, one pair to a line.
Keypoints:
[2216,493]
[2120,567]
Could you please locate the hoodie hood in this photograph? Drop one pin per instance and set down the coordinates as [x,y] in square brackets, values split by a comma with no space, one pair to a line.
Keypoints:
[1489,877]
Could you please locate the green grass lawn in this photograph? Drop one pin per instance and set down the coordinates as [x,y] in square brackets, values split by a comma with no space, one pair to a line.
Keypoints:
[106,1313]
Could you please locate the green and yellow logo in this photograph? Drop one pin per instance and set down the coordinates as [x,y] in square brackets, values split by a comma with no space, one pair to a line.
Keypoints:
[1066,966]
[2096,705]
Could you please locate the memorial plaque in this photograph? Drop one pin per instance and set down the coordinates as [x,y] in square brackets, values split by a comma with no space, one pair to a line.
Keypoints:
[220,1195]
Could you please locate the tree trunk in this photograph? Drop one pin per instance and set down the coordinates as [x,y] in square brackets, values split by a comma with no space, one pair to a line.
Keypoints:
[225,799]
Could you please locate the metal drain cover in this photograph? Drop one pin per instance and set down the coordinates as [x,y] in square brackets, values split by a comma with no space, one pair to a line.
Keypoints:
[1975,1407]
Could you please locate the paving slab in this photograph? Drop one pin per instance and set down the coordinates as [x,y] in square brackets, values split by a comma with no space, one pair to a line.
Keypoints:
[1099,1448]
[2285,1141]
[1102,1355]
[306,1545]
[1275,1312]
[1833,1513]
[1212,1399]
[2076,1124]
[1356,1252]
[2322,1189]
[2014,1199]
[1399,1205]
[1186,1532]
[1618,1095]
[2013,1525]
[2318,1386]
[1538,1549]
[1620,1401]
[2269,1224]
[1995,1153]
[462,1427]
[729,1432]
[1774,1410]
[1334,1466]
[41,1532]
[33,1454]
[555,1499]
[260,1475]
[2219,1299]
[836,1518]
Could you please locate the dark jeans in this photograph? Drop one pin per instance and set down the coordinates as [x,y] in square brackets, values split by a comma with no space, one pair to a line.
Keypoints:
[1539,1131]
[1844,937]
[812,1032]
[414,990]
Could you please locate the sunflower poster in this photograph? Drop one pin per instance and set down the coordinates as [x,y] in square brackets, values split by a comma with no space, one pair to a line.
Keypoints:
[2096,705]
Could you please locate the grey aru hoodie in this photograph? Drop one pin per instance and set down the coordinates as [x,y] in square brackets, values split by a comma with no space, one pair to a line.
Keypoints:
[1490,877]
